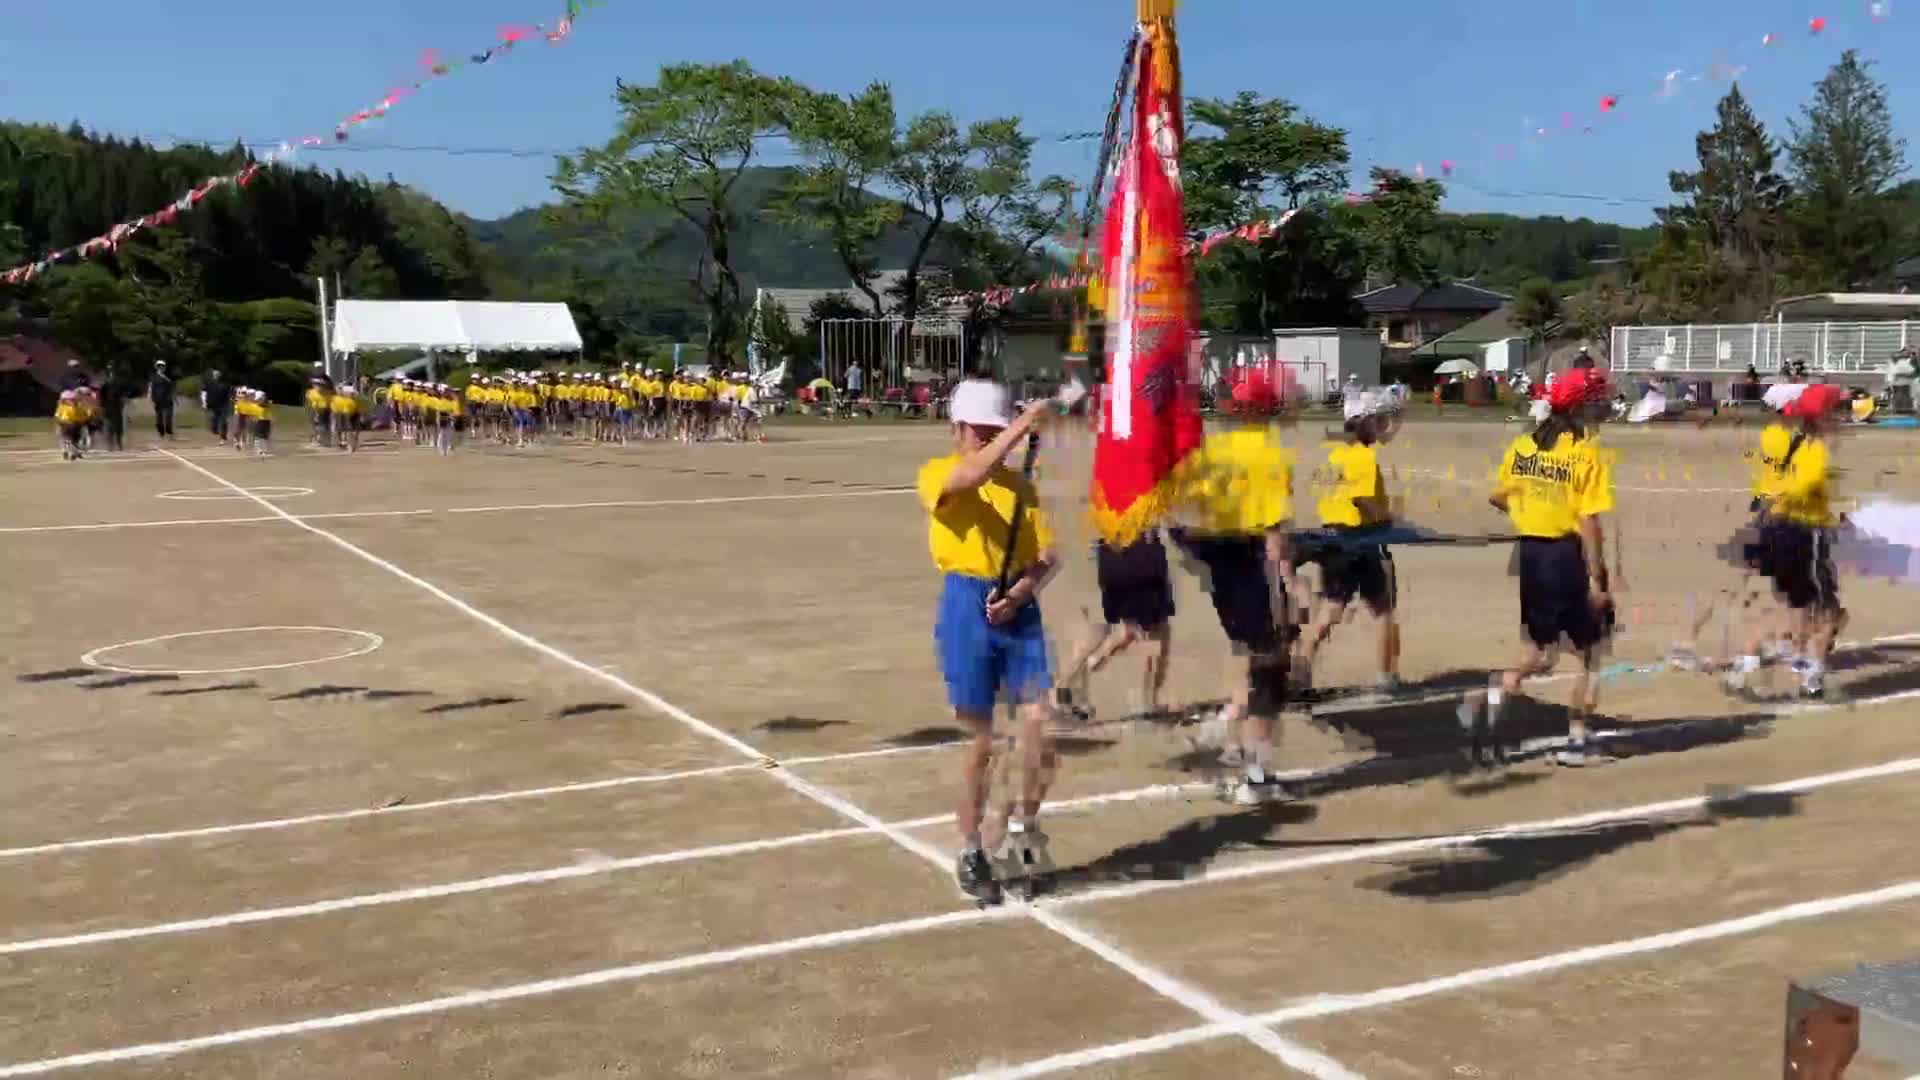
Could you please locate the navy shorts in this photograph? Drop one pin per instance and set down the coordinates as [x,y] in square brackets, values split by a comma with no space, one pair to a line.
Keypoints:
[1135,584]
[1234,571]
[980,659]
[1799,560]
[1553,594]
[1359,569]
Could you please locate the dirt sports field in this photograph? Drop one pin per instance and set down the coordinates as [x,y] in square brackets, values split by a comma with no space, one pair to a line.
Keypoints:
[590,761]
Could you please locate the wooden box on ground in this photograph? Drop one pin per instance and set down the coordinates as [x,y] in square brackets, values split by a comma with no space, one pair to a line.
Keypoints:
[1870,1015]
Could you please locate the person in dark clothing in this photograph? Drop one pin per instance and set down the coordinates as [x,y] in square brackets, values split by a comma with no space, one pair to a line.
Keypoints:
[160,389]
[76,377]
[218,402]
[113,409]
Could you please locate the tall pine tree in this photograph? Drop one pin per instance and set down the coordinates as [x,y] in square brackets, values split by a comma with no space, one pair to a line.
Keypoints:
[1731,228]
[1844,156]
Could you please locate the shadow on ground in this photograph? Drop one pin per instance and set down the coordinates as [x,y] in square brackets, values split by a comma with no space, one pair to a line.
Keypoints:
[1509,865]
[589,708]
[1186,849]
[56,676]
[217,688]
[926,736]
[465,706]
[796,725]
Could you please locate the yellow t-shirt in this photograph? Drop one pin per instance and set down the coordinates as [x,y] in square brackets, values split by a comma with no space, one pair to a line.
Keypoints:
[344,405]
[967,530]
[69,413]
[1239,483]
[317,399]
[1768,462]
[622,400]
[1550,491]
[1802,492]
[698,392]
[1354,488]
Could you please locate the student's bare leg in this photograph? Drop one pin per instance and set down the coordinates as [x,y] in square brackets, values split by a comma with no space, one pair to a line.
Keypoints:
[1037,759]
[1161,638]
[976,758]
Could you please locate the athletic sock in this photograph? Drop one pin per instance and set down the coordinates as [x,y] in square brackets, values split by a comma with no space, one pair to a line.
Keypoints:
[1749,664]
[1496,697]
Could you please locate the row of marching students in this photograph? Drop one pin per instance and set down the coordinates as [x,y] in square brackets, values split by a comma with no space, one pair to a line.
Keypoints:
[523,408]
[1554,484]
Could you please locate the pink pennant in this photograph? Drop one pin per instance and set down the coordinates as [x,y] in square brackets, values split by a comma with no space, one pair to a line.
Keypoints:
[1566,121]
[1816,24]
[1608,103]
[1446,167]
[1768,39]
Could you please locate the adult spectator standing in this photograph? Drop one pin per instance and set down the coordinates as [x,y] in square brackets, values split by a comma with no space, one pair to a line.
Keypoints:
[216,397]
[113,406]
[856,382]
[160,390]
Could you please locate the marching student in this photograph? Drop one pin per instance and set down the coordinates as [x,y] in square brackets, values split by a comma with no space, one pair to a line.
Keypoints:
[69,420]
[988,642]
[1237,499]
[345,409]
[320,405]
[1136,604]
[1356,503]
[1795,545]
[1554,484]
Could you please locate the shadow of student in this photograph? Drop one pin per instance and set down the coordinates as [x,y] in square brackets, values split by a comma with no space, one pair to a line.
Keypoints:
[1186,849]
[465,706]
[926,736]
[196,691]
[127,680]
[1510,865]
[56,676]
[796,725]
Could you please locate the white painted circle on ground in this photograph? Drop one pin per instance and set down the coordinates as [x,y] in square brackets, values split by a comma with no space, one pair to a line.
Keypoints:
[354,643]
[217,494]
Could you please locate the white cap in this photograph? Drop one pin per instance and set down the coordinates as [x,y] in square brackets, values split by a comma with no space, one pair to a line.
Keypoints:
[981,403]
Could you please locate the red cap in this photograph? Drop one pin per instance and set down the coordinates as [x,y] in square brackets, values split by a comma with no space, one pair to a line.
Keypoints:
[1815,401]
[1262,389]
[1576,387]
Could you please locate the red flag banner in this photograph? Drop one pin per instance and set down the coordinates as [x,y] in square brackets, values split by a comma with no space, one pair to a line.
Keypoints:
[1151,420]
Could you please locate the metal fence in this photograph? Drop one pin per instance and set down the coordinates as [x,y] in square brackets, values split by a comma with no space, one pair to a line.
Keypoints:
[888,348]
[1834,347]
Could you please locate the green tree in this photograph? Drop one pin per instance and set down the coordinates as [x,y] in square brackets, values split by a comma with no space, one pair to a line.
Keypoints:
[1844,156]
[932,171]
[1395,227]
[850,145]
[1250,158]
[1731,228]
[368,277]
[682,144]
[1536,309]
[1252,153]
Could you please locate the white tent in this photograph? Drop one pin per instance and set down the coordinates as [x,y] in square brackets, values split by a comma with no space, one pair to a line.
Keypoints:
[453,326]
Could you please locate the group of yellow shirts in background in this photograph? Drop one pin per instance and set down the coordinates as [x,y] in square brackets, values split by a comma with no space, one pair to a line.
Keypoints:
[343,404]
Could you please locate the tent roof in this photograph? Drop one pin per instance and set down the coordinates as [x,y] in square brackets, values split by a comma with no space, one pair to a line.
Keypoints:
[1850,306]
[483,326]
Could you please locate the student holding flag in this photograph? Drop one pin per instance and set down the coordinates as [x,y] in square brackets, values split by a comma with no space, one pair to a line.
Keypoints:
[990,641]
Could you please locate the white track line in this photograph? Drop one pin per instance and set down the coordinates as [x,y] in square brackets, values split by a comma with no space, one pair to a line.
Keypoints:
[424,892]
[623,503]
[1131,1048]
[1394,848]
[1359,852]
[1336,1005]
[1162,983]
[522,991]
[1143,794]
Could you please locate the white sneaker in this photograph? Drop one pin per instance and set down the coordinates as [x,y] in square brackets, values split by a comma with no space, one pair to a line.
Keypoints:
[1270,790]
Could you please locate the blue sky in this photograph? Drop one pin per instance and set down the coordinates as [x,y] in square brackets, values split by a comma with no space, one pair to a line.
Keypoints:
[1413,81]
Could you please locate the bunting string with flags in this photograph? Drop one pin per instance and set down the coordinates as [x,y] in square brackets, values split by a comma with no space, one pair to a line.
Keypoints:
[433,68]
[1150,421]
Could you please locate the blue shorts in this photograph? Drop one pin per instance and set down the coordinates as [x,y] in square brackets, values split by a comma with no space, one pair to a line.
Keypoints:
[979,659]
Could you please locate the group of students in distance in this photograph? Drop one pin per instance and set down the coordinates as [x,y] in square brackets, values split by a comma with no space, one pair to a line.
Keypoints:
[1233,522]
[521,408]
